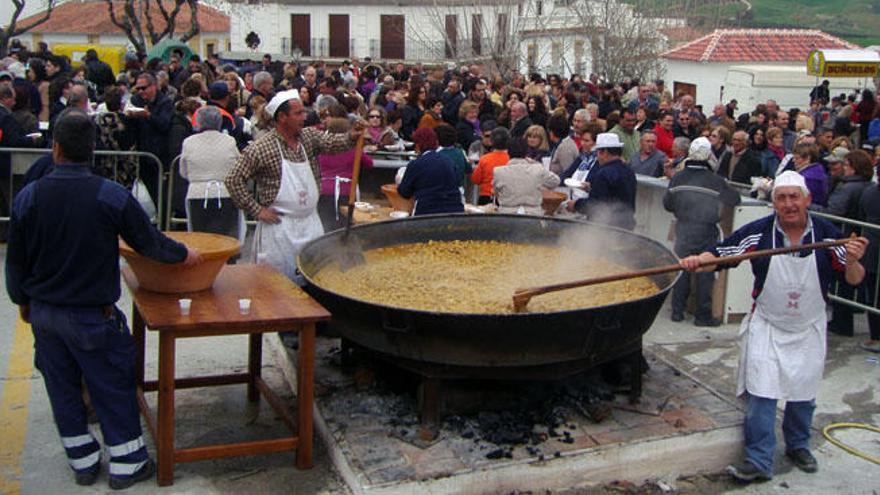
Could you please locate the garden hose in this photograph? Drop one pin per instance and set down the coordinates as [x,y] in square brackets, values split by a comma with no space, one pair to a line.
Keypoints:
[826,432]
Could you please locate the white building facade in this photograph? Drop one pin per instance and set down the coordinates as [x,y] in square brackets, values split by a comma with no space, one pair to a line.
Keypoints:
[699,68]
[546,36]
[411,30]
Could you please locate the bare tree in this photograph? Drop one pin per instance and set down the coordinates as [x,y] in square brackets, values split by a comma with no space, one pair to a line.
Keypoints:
[464,31]
[627,45]
[14,29]
[136,19]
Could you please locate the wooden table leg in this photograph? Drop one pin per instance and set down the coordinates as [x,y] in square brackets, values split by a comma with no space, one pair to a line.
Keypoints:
[255,364]
[305,377]
[165,440]
[140,343]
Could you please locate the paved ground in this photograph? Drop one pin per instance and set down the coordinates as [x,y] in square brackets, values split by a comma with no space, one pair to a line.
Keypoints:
[32,460]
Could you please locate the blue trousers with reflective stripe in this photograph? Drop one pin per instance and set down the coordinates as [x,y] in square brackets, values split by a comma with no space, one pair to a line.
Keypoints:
[72,344]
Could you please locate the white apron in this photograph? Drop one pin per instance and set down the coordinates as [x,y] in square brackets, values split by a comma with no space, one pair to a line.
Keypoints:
[782,346]
[215,186]
[297,200]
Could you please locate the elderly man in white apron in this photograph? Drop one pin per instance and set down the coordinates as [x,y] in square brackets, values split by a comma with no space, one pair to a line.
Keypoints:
[782,348]
[283,165]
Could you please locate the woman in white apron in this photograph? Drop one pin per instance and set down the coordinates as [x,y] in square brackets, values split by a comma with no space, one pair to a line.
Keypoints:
[279,244]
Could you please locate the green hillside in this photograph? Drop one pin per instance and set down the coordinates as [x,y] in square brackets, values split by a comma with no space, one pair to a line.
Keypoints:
[857,21]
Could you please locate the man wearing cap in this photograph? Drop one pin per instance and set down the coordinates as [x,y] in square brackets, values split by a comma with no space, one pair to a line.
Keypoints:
[233,125]
[612,198]
[782,348]
[833,162]
[696,196]
[283,164]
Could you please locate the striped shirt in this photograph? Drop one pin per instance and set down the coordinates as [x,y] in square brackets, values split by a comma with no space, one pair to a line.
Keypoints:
[757,235]
[261,162]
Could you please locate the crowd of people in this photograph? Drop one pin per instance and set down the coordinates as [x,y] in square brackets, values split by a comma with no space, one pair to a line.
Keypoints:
[276,141]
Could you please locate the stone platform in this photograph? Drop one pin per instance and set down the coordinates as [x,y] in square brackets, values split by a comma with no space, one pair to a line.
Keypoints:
[680,427]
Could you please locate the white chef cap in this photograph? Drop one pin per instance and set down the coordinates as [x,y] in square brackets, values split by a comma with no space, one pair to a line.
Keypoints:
[279,100]
[791,178]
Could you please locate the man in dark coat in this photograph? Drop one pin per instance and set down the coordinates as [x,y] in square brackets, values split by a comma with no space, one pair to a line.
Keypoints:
[519,120]
[97,71]
[452,99]
[742,164]
[11,136]
[151,121]
[695,196]
[612,187]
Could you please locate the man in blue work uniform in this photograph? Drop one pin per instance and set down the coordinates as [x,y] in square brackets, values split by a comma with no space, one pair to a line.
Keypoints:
[62,270]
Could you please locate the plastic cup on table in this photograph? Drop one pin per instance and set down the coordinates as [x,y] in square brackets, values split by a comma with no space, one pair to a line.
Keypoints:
[244,306]
[185,305]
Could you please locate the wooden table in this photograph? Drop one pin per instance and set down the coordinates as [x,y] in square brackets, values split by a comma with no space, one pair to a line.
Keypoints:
[277,304]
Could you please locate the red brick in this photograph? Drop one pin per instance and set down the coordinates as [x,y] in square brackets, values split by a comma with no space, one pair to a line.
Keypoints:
[688,418]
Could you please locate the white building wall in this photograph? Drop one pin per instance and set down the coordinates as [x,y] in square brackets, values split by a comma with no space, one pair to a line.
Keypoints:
[425,27]
[52,38]
[566,64]
[708,77]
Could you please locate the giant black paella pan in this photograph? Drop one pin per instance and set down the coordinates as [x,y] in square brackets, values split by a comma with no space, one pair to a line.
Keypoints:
[586,336]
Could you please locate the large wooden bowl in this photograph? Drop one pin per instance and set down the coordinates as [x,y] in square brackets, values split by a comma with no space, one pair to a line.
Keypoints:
[176,278]
[552,200]
[397,201]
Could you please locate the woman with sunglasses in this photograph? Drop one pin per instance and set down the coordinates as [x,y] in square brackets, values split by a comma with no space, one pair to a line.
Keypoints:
[375,125]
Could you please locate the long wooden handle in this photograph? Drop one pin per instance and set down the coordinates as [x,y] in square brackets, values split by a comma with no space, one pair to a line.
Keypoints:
[522,296]
[355,177]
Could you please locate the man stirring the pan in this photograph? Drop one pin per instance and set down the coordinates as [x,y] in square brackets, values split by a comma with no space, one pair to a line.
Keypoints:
[782,348]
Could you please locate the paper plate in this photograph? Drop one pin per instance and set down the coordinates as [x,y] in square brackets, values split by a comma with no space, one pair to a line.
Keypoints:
[574,183]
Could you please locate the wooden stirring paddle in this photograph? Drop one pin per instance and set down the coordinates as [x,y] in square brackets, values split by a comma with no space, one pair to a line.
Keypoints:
[522,297]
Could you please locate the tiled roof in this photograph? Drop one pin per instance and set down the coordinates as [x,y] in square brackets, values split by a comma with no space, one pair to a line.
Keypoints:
[756,45]
[677,36]
[93,17]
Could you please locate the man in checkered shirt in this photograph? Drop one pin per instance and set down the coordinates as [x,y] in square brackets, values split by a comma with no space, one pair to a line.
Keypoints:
[284,167]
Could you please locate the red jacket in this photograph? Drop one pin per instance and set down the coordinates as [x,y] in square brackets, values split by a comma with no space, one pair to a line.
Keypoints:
[664,140]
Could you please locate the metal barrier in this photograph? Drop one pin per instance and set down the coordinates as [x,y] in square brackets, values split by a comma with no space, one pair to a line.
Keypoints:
[19,168]
[840,291]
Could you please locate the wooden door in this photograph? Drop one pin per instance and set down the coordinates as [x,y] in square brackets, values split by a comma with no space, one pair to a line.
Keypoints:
[392,44]
[301,33]
[687,88]
[339,37]
[501,34]
[477,34]
[451,36]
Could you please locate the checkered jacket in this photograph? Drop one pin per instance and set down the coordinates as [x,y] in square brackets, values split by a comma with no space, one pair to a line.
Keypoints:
[261,162]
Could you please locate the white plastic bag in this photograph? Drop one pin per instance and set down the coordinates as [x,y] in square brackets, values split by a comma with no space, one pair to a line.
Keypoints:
[140,193]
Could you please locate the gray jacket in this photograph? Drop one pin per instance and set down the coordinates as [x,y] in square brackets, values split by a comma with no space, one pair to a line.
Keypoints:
[844,198]
[695,196]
